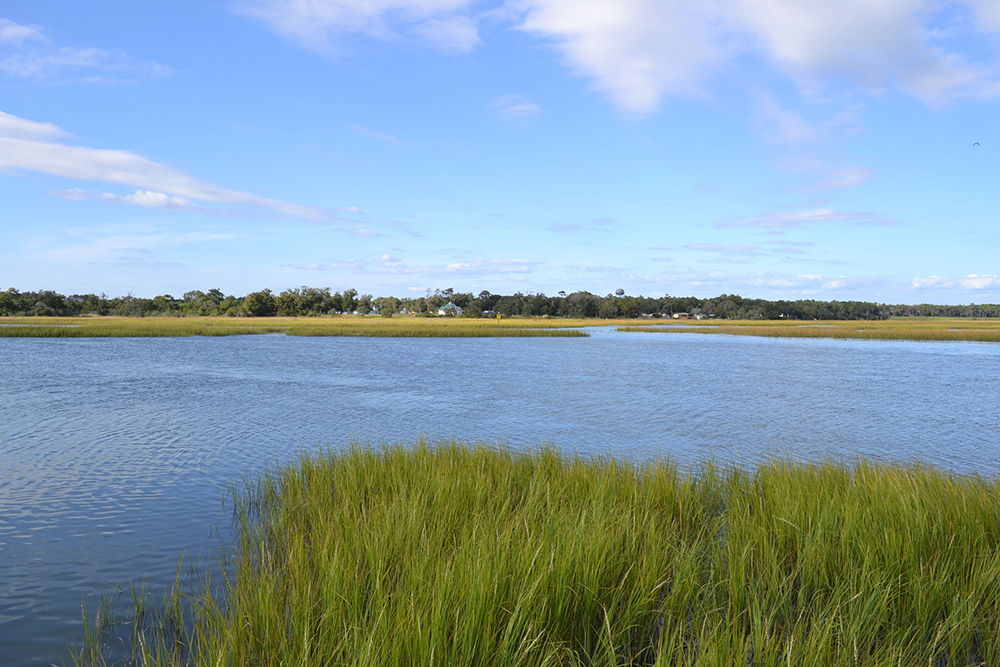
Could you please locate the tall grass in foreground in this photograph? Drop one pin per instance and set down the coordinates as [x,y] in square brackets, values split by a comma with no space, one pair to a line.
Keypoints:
[453,554]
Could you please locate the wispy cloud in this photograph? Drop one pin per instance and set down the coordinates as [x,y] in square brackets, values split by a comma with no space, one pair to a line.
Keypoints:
[452,35]
[838,179]
[406,228]
[15,33]
[113,246]
[326,26]
[386,264]
[338,265]
[594,225]
[486,266]
[144,198]
[514,107]
[28,52]
[780,220]
[381,136]
[971,282]
[738,249]
[39,147]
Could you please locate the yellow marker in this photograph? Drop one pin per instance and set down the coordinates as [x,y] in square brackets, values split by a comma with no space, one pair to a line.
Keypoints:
[499,316]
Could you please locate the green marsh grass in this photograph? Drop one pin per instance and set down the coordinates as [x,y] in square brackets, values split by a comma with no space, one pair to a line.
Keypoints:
[910,328]
[462,554]
[372,326]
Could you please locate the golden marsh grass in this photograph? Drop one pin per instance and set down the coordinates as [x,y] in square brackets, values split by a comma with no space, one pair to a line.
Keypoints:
[910,328]
[373,326]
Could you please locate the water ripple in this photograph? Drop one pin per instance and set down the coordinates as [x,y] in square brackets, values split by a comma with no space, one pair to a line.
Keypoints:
[115,453]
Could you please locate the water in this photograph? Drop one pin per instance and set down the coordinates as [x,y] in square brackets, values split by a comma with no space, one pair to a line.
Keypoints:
[115,453]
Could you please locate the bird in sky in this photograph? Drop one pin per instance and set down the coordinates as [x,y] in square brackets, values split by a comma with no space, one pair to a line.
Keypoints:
[976,144]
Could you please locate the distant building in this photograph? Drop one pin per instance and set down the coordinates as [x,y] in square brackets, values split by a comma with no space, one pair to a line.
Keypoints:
[681,316]
[450,309]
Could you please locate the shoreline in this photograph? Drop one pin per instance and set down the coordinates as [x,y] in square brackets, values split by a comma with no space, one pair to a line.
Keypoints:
[912,329]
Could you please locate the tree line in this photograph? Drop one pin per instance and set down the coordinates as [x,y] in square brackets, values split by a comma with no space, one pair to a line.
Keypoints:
[312,301]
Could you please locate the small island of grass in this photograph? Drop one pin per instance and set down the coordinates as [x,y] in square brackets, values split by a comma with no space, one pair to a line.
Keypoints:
[908,328]
[350,325]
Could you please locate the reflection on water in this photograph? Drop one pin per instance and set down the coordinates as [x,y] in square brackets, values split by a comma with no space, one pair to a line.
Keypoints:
[114,453]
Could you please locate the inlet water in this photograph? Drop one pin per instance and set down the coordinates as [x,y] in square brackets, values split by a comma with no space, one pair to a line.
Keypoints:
[115,453]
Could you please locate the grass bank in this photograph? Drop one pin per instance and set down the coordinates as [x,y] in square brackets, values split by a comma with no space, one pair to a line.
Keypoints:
[452,554]
[396,327]
[909,328]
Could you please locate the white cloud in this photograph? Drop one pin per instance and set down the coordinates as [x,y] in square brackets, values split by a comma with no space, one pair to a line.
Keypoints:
[15,33]
[972,281]
[883,44]
[515,107]
[806,283]
[321,25]
[31,146]
[987,12]
[144,198]
[634,51]
[20,128]
[638,51]
[930,281]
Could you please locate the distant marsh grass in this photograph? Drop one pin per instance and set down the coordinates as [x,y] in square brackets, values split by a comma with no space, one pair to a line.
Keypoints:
[397,327]
[910,328]
[461,554]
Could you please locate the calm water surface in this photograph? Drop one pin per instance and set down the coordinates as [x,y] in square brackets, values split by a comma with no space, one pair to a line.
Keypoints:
[115,453]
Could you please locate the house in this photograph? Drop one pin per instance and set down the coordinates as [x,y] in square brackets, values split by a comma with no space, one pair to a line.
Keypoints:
[450,309]
[681,316]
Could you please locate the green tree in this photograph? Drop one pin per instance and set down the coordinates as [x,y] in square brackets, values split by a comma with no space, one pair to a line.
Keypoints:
[260,304]
[349,302]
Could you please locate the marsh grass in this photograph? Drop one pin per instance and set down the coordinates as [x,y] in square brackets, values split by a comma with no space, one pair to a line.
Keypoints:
[455,554]
[910,328]
[397,327]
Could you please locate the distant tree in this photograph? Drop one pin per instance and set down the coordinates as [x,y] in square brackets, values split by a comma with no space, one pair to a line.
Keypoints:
[349,302]
[260,304]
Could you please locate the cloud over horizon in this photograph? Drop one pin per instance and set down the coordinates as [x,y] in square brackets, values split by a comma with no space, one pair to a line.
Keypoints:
[27,145]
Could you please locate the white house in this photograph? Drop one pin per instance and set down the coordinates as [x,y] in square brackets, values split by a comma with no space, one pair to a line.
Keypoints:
[450,309]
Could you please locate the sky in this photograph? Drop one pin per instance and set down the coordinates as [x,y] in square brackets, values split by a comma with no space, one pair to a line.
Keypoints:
[777,149]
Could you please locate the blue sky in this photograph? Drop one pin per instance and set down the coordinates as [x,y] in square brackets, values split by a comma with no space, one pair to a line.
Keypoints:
[769,148]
